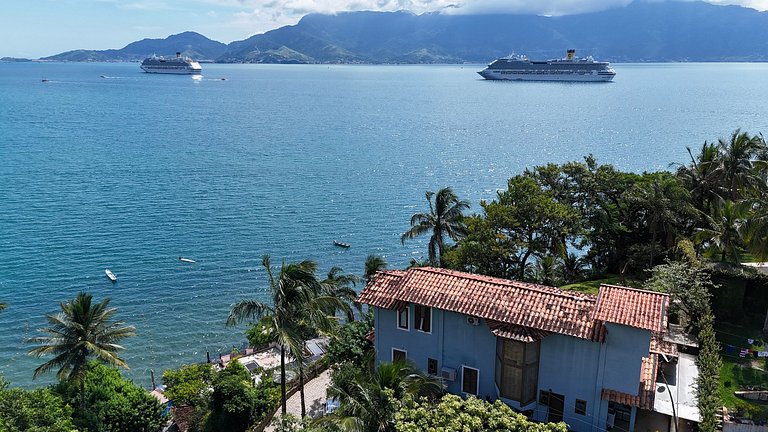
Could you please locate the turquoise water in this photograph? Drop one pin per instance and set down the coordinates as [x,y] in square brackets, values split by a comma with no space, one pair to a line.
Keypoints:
[132,170]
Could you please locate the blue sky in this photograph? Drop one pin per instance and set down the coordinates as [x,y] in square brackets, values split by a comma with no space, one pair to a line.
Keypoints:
[36,28]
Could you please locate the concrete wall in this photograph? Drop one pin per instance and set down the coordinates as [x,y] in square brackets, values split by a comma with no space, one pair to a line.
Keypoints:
[576,368]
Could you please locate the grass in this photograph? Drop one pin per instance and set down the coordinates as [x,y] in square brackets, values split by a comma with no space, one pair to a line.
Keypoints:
[592,286]
[737,373]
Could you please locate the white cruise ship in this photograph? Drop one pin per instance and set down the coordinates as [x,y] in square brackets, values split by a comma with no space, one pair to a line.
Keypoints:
[178,65]
[519,68]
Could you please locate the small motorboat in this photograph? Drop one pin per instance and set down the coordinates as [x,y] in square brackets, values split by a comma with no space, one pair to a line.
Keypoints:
[110,275]
[341,244]
[187,260]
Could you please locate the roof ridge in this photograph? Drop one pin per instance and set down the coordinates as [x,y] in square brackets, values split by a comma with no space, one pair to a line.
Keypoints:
[634,289]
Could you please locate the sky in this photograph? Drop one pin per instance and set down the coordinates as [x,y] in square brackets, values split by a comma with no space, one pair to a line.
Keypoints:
[38,28]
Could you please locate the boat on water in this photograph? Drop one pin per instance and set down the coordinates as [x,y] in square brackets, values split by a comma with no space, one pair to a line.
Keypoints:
[341,244]
[177,65]
[110,275]
[570,68]
[186,260]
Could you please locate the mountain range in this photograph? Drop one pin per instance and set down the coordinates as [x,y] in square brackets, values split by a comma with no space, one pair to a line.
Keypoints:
[642,31]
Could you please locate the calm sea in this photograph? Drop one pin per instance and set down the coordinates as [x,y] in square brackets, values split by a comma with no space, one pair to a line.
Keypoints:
[106,167]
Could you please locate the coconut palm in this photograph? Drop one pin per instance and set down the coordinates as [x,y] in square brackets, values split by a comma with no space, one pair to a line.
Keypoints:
[339,285]
[445,219]
[367,397]
[725,231]
[373,264]
[736,164]
[700,177]
[290,289]
[299,305]
[81,331]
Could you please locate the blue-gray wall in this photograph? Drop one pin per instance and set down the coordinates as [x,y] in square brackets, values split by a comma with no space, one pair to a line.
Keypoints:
[576,368]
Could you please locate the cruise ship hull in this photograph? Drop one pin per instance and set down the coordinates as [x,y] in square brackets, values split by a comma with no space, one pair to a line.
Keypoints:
[570,68]
[513,76]
[172,71]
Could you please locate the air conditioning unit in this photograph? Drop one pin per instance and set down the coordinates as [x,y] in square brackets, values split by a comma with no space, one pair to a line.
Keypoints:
[473,320]
[448,374]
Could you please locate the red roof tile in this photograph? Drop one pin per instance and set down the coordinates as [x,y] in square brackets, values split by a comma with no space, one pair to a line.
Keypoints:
[505,301]
[515,332]
[518,304]
[632,307]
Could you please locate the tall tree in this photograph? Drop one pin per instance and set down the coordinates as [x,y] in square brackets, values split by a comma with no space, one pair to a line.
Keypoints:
[724,231]
[736,164]
[81,331]
[445,219]
[290,289]
[340,285]
[369,397]
[373,263]
[663,203]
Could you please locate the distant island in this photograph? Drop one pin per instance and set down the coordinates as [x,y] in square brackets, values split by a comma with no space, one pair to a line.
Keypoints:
[14,60]
[643,31]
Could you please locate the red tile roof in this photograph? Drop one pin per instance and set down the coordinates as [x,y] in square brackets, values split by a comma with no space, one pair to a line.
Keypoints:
[632,307]
[646,392]
[518,304]
[515,332]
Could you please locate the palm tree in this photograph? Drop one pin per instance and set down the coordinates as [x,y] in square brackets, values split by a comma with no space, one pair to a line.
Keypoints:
[725,232]
[700,177]
[373,264]
[445,219]
[366,398]
[81,331]
[547,271]
[736,164]
[290,289]
[2,306]
[341,286]
[299,304]
[573,267]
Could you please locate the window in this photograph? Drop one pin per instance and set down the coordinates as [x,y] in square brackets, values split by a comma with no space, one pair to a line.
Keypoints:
[423,318]
[544,398]
[469,380]
[399,355]
[402,318]
[581,407]
[431,366]
[517,369]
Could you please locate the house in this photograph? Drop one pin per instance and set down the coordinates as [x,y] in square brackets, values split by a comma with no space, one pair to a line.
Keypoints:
[591,361]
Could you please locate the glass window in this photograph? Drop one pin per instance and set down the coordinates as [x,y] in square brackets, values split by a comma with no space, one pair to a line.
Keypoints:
[581,407]
[402,318]
[431,366]
[469,380]
[517,369]
[399,355]
[423,318]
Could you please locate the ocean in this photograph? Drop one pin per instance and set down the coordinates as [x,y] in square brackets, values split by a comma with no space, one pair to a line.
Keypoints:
[103,166]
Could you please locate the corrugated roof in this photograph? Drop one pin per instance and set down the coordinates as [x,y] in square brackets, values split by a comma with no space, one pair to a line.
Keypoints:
[632,307]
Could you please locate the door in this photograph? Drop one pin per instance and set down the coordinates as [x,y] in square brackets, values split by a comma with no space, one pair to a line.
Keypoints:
[556,404]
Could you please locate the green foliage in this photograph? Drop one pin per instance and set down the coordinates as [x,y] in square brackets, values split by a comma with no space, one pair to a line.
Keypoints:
[83,330]
[349,343]
[260,333]
[39,410]
[189,384]
[233,400]
[370,397]
[690,288]
[113,403]
[708,383]
[454,414]
[445,219]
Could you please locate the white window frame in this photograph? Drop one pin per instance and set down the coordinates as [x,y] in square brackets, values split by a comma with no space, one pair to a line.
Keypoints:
[401,350]
[477,383]
[431,321]
[407,319]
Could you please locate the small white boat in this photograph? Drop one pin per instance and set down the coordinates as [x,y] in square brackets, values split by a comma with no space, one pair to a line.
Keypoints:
[186,260]
[341,244]
[110,275]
